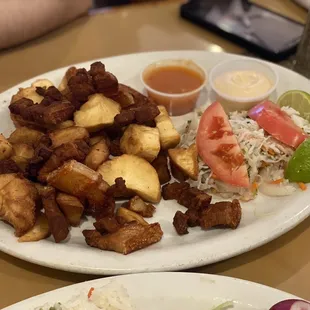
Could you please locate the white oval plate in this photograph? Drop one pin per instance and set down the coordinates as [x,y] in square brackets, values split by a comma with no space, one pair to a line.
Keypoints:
[169,291]
[263,220]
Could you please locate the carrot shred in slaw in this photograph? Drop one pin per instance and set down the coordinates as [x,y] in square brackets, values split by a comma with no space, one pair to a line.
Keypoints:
[278,181]
[90,292]
[302,186]
[254,186]
[213,176]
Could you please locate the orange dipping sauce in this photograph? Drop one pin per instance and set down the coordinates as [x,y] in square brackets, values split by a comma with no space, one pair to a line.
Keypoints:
[173,79]
[175,84]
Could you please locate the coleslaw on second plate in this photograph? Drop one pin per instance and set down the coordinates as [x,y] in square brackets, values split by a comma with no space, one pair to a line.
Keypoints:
[109,297]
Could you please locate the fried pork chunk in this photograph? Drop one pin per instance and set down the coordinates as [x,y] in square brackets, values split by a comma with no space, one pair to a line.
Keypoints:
[77,150]
[57,222]
[124,96]
[200,211]
[81,84]
[161,166]
[52,110]
[189,197]
[119,189]
[9,166]
[173,190]
[17,202]
[42,153]
[137,205]
[224,213]
[129,238]
[127,96]
[103,81]
[78,180]
[180,223]
[194,198]
[142,114]
[107,224]
[63,86]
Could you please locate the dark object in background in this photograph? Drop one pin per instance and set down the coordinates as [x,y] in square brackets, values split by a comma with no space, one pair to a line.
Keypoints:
[104,3]
[261,31]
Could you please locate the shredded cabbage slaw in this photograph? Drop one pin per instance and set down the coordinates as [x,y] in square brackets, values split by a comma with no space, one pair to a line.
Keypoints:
[265,157]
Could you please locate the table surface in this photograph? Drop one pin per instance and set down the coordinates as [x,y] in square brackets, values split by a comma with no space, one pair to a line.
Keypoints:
[283,263]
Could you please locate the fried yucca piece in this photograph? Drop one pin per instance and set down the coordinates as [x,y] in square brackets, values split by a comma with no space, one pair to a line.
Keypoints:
[71,207]
[17,202]
[186,160]
[5,148]
[29,93]
[65,124]
[137,205]
[142,141]
[66,135]
[43,83]
[98,112]
[138,174]
[168,135]
[76,179]
[26,135]
[39,231]
[22,153]
[126,216]
[98,154]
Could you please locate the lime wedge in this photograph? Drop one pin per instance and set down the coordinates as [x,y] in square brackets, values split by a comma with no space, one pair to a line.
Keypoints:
[298,100]
[298,168]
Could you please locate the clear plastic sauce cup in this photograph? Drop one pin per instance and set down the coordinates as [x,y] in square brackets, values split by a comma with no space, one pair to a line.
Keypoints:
[239,103]
[175,103]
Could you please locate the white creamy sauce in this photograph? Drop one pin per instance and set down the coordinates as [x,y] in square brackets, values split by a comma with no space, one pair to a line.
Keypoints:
[243,84]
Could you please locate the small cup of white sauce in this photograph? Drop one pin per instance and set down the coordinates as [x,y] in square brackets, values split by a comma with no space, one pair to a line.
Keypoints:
[242,83]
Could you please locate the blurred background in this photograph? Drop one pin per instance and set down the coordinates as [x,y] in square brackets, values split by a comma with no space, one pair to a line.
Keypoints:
[105,3]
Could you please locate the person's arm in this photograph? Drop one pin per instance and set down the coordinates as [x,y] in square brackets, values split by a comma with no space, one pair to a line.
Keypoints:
[22,20]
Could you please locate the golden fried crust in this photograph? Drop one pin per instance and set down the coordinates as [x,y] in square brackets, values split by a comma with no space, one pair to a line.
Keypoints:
[131,237]
[72,150]
[20,122]
[224,213]
[186,160]
[17,202]
[63,86]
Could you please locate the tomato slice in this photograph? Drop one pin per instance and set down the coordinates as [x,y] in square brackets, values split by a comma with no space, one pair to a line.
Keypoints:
[219,149]
[277,123]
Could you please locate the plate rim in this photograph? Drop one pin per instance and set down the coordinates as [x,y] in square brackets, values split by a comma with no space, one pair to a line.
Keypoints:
[169,275]
[144,53]
[197,262]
